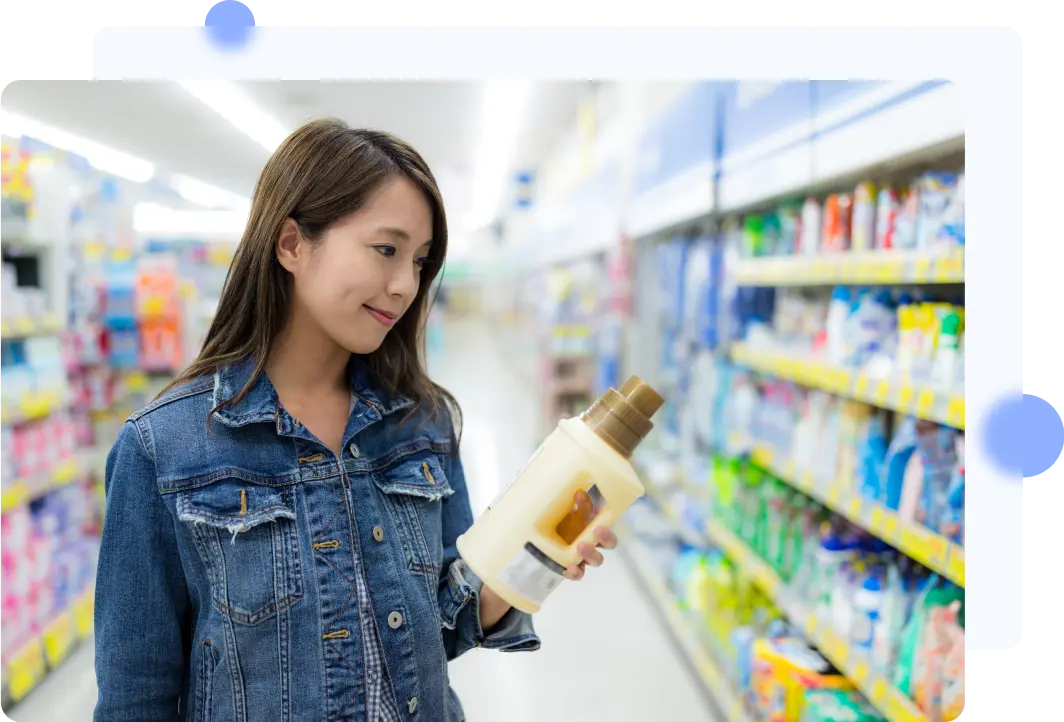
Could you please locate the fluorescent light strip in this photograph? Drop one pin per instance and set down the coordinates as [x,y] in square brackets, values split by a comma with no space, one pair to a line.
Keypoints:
[504,108]
[234,105]
[208,196]
[162,220]
[99,156]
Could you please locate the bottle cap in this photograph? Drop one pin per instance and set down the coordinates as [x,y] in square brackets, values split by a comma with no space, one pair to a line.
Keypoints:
[622,418]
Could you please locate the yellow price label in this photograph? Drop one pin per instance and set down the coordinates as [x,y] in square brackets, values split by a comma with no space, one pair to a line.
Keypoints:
[834,495]
[882,392]
[878,524]
[922,269]
[855,506]
[59,638]
[939,552]
[955,565]
[880,692]
[806,481]
[83,615]
[26,669]
[950,269]
[925,401]
[892,271]
[905,396]
[861,386]
[24,325]
[955,415]
[66,472]
[890,527]
[860,672]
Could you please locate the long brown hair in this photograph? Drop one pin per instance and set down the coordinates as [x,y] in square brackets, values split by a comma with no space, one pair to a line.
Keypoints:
[321,173]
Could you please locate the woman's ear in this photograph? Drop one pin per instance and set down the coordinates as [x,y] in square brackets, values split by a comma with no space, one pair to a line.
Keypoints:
[291,250]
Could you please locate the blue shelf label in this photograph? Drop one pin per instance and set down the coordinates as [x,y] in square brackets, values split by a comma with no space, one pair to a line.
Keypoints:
[684,137]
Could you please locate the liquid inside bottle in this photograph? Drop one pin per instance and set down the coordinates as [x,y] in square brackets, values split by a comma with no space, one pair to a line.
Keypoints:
[586,506]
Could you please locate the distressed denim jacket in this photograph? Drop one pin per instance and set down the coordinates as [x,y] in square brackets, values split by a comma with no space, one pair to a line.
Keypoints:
[226,582]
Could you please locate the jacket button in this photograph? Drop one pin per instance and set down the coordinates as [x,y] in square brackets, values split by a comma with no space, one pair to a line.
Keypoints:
[354,450]
[378,534]
[412,705]
[395,620]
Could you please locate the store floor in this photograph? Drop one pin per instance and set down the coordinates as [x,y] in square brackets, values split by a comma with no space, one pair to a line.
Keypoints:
[606,655]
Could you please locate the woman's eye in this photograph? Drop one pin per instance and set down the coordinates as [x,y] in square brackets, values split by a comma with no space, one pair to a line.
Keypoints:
[386,251]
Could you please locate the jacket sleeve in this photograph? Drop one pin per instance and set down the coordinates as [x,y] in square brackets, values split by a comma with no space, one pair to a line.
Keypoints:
[141,597]
[459,590]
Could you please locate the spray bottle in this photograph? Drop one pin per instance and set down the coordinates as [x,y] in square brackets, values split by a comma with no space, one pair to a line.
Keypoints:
[582,473]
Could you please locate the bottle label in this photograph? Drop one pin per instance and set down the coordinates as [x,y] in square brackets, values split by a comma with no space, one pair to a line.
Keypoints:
[532,574]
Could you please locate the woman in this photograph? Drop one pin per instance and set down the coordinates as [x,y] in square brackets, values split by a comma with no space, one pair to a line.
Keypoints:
[281,521]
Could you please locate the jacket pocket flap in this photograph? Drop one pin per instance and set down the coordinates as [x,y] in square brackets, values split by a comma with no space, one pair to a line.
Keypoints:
[235,505]
[419,475]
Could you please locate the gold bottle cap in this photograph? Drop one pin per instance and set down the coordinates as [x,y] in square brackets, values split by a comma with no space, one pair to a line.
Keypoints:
[622,418]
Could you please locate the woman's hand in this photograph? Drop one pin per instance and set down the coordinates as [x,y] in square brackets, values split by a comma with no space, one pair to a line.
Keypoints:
[605,539]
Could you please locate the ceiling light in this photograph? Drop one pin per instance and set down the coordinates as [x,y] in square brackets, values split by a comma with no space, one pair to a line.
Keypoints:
[234,105]
[208,196]
[504,108]
[102,158]
[160,220]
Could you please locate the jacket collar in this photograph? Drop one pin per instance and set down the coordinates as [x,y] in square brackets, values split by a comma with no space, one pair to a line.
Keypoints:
[261,404]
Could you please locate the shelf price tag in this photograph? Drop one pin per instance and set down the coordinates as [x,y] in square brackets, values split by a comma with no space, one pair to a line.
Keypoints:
[939,552]
[83,615]
[924,403]
[861,386]
[855,506]
[955,415]
[59,638]
[882,392]
[922,270]
[880,692]
[905,396]
[26,669]
[890,527]
[955,566]
[878,524]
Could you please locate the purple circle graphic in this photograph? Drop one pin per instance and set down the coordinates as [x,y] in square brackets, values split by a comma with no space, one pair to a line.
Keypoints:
[229,24]
[1024,434]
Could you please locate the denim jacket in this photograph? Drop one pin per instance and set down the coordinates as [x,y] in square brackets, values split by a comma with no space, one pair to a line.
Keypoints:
[225,588]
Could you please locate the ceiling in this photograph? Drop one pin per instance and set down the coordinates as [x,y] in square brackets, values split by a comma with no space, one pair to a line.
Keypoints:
[162,123]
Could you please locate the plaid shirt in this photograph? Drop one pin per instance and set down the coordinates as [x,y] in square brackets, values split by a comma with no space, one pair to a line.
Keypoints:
[380,701]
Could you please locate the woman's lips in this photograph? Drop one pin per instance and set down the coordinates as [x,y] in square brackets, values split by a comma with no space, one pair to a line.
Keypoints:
[384,318]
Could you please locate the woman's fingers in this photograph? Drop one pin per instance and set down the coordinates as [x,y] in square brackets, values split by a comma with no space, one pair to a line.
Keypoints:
[575,573]
[605,538]
[590,554]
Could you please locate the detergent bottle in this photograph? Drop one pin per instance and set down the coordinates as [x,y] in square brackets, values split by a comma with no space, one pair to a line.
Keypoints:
[580,478]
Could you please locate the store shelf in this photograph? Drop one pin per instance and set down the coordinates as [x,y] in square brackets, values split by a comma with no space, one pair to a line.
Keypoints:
[924,402]
[890,702]
[853,268]
[29,666]
[685,633]
[930,549]
[25,327]
[31,407]
[23,491]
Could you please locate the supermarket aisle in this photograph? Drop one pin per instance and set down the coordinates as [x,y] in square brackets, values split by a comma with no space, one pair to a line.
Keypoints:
[605,654]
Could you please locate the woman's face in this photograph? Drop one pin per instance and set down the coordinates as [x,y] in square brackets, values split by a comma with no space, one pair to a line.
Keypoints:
[363,276]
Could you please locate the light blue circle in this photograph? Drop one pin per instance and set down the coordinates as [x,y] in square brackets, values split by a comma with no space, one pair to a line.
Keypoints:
[229,24]
[1024,434]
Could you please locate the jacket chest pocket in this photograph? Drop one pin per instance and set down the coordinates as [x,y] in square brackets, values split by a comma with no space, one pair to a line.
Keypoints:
[248,539]
[414,488]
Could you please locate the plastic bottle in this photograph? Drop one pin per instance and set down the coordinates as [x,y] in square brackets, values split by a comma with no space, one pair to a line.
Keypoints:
[868,602]
[811,226]
[947,355]
[862,237]
[838,312]
[886,218]
[517,546]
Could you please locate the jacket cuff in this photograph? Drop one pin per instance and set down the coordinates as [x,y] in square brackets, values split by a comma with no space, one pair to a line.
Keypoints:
[460,611]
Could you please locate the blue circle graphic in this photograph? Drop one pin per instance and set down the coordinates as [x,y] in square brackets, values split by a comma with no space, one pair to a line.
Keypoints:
[1024,434]
[229,24]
